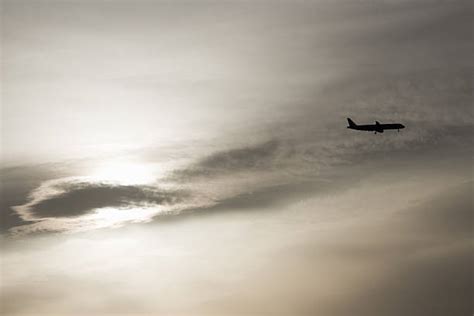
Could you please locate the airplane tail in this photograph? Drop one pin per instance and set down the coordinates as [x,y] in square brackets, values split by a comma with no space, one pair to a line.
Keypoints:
[351,123]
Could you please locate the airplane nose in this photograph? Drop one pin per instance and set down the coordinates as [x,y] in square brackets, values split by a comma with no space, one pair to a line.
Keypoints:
[402,126]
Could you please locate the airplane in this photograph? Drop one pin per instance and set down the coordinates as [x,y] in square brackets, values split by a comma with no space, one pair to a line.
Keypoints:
[376,128]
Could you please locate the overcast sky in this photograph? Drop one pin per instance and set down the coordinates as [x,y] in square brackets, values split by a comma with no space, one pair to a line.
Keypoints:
[192,157]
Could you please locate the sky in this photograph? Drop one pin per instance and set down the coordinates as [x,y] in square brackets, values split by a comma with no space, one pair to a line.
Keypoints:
[192,158]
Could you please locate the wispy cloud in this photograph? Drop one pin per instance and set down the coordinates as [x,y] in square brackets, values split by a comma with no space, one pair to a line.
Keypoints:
[79,203]
[257,158]
[74,199]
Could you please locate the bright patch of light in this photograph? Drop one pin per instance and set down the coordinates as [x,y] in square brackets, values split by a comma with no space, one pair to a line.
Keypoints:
[110,217]
[124,172]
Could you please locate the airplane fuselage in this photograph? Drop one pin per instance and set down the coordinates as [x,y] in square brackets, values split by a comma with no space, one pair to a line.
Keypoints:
[377,127]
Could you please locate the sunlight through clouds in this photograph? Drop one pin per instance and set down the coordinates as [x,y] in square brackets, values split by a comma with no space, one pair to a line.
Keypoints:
[124,172]
[192,158]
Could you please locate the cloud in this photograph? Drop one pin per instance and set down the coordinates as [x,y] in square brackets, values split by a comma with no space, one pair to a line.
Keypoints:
[251,158]
[17,183]
[81,203]
[78,199]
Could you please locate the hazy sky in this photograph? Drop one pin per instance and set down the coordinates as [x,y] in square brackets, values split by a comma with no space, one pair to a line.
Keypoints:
[192,158]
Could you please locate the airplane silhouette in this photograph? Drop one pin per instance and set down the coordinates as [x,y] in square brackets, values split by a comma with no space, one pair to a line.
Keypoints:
[376,128]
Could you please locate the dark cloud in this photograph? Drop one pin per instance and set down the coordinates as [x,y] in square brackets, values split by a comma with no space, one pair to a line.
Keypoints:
[18,182]
[267,198]
[252,158]
[81,198]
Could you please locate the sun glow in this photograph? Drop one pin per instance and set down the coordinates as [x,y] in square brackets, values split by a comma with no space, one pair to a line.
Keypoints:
[110,217]
[124,172]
